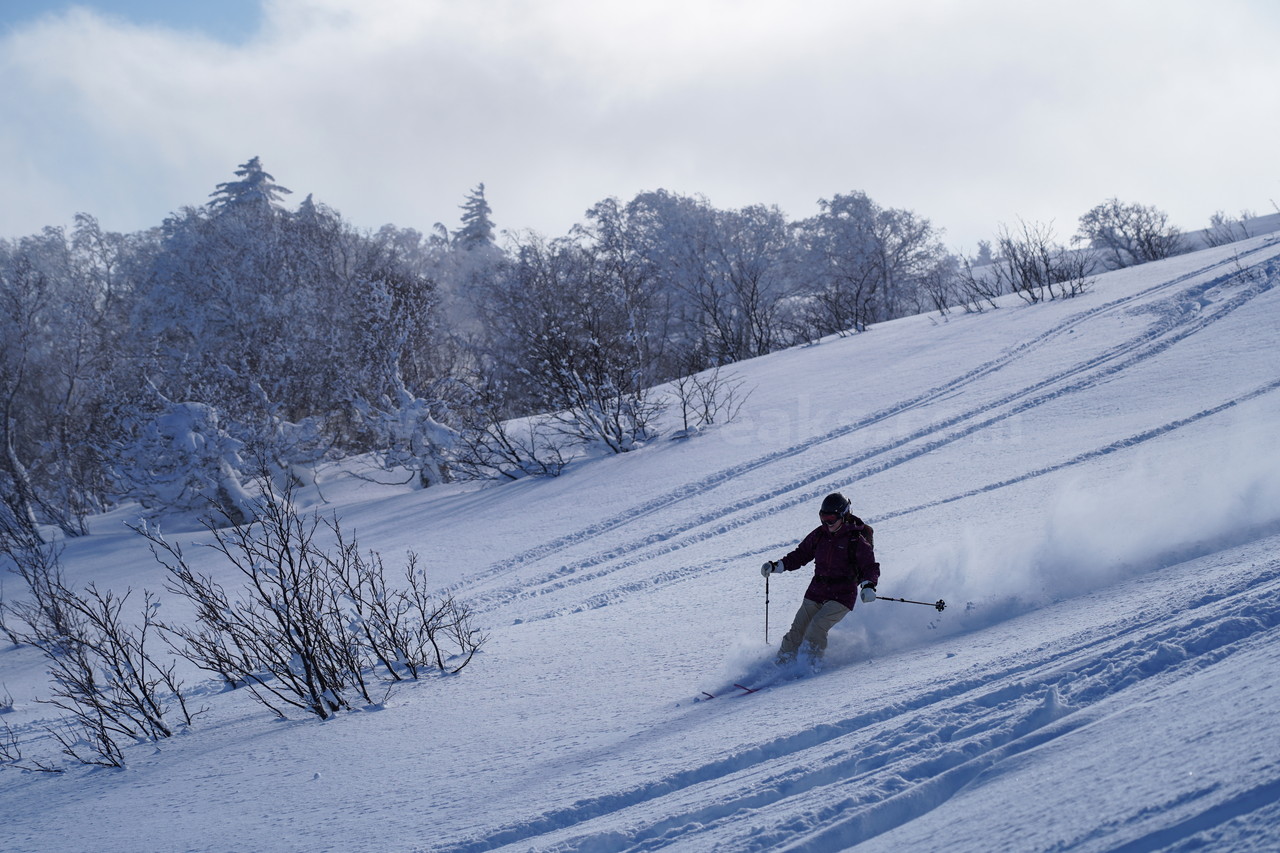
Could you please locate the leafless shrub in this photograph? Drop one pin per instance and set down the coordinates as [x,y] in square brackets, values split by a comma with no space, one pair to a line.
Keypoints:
[11,755]
[1224,229]
[404,630]
[708,398]
[977,287]
[1030,264]
[601,401]
[1129,234]
[310,626]
[491,447]
[936,288]
[105,677]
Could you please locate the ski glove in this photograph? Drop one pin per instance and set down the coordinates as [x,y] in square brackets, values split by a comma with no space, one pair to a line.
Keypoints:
[868,593]
[769,568]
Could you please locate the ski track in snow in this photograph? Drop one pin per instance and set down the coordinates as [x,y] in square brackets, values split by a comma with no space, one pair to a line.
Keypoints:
[880,769]
[1181,313]
[650,580]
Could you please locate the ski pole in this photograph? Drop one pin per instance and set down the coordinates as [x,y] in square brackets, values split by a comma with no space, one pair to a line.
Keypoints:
[766,610]
[939,604]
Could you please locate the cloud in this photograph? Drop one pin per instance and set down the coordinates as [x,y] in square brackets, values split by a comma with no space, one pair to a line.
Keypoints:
[389,110]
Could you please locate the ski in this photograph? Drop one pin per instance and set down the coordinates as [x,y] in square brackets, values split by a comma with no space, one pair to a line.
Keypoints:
[746,692]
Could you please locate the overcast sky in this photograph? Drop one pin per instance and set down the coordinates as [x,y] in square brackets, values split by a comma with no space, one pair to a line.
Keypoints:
[971,113]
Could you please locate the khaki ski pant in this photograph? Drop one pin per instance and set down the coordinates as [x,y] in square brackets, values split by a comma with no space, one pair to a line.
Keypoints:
[813,621]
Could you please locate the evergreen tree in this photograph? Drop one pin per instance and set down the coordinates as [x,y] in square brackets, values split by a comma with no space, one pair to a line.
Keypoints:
[255,187]
[477,226]
[984,254]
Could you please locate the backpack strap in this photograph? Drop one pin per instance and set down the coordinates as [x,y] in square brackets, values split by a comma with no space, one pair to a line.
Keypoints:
[860,528]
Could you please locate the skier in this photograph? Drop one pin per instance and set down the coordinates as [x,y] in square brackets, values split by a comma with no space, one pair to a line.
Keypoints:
[845,568]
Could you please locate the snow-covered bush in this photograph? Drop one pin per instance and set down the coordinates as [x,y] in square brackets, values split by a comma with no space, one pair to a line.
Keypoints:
[284,453]
[406,434]
[599,404]
[182,460]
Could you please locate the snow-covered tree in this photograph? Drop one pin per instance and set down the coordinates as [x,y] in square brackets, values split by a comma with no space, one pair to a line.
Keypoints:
[1129,234]
[984,256]
[256,188]
[1224,229]
[408,436]
[568,344]
[710,281]
[864,263]
[61,333]
[283,321]
[24,297]
[183,460]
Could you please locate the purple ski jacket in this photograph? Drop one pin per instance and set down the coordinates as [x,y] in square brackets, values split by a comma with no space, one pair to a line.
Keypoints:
[841,561]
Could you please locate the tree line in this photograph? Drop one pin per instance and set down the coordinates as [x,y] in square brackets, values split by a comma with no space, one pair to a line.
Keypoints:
[242,335]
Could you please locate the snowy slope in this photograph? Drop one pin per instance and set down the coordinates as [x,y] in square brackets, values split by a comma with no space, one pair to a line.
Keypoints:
[1092,485]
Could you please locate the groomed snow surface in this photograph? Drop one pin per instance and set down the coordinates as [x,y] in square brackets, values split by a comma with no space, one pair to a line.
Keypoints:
[1092,485]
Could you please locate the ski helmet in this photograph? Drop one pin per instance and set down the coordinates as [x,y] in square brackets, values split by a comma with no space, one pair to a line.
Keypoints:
[834,504]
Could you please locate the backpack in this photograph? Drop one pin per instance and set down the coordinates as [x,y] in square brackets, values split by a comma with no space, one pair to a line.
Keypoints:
[864,529]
